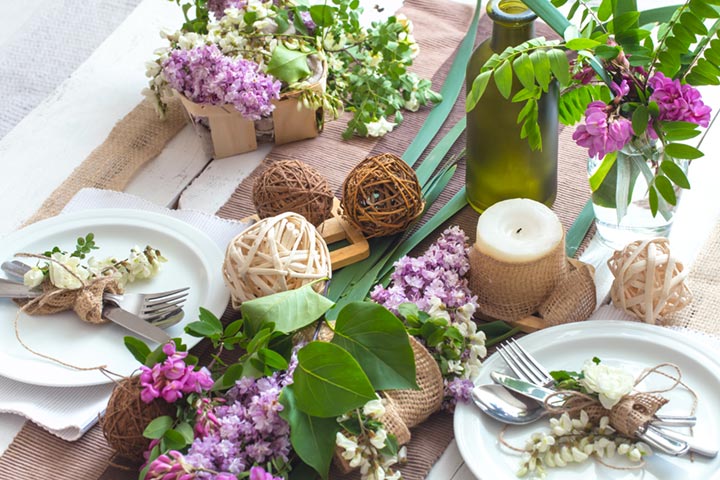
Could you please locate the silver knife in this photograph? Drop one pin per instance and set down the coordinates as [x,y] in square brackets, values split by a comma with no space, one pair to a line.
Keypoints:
[134,323]
[9,289]
[650,432]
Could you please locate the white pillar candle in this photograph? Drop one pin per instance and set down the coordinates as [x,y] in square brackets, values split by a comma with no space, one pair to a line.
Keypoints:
[518,230]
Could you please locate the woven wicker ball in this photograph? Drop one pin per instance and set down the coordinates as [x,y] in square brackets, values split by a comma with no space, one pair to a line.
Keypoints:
[274,255]
[127,416]
[293,186]
[381,196]
[649,282]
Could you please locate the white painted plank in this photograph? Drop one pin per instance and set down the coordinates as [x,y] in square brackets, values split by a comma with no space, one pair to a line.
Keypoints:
[46,146]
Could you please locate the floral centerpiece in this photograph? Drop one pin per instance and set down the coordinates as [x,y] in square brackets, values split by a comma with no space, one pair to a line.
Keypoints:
[630,84]
[271,405]
[248,53]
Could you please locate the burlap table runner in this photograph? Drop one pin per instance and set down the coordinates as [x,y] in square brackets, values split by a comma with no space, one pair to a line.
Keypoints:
[439,27]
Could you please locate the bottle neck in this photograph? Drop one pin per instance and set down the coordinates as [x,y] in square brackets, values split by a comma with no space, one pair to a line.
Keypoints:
[509,36]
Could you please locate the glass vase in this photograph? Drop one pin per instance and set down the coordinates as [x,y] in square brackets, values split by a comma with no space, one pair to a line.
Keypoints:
[500,163]
[621,201]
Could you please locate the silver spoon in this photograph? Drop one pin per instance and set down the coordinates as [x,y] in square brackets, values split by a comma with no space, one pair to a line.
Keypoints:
[498,403]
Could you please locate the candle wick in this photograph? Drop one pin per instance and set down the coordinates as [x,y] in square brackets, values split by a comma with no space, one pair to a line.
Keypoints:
[518,230]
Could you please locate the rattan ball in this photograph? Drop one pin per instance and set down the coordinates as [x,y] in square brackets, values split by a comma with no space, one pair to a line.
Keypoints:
[649,281]
[381,196]
[293,186]
[274,255]
[127,416]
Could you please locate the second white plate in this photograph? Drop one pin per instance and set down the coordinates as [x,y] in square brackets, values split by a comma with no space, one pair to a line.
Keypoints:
[566,347]
[194,261]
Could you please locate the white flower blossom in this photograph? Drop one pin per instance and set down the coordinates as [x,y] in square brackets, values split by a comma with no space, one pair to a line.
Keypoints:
[61,277]
[380,127]
[437,309]
[374,409]
[33,277]
[610,383]
[377,439]
[349,446]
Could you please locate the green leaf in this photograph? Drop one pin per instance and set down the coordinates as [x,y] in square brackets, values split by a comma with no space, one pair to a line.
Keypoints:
[272,359]
[290,310]
[228,379]
[201,329]
[653,199]
[576,234]
[541,66]
[560,66]
[208,317]
[666,189]
[327,372]
[477,90]
[524,71]
[582,44]
[702,9]
[600,174]
[174,440]
[312,438]
[675,173]
[157,428]
[138,348]
[680,150]
[640,119]
[186,431]
[379,342]
[323,15]
[288,65]
[503,78]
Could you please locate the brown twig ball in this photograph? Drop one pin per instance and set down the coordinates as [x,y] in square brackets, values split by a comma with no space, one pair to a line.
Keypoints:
[382,196]
[293,186]
[127,416]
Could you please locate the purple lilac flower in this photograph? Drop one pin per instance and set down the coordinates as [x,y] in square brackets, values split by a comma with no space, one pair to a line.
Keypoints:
[602,134]
[218,7]
[437,273]
[172,378]
[456,390]
[206,76]
[244,429]
[678,102]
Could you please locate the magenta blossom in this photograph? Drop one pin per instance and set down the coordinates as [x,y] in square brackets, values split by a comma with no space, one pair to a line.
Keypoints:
[678,102]
[172,378]
[170,467]
[259,473]
[601,134]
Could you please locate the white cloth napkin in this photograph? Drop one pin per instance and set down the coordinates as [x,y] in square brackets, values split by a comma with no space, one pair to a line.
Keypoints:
[69,412]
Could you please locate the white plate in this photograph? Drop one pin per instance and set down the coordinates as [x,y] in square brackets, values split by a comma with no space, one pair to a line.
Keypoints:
[194,261]
[566,347]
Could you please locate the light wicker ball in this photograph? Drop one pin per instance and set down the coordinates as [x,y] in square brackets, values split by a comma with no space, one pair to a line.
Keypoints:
[274,255]
[382,196]
[649,281]
[293,186]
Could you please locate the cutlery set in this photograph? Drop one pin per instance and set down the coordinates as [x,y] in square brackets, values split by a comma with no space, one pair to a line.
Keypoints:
[520,401]
[143,314]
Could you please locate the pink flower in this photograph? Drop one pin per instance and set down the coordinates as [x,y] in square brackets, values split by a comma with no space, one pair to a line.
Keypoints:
[678,102]
[172,378]
[602,134]
[259,473]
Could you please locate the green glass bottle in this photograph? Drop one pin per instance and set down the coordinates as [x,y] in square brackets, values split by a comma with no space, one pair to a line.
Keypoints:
[501,165]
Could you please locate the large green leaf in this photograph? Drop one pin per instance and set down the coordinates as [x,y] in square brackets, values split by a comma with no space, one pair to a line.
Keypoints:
[379,342]
[329,382]
[312,438]
[680,150]
[289,311]
[288,65]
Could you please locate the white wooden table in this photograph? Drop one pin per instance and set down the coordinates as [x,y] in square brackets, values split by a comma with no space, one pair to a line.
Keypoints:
[42,151]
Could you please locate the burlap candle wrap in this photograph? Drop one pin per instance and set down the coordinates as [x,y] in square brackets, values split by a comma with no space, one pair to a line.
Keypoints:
[513,290]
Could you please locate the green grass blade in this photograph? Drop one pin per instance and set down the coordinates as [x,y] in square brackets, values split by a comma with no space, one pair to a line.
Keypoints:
[433,159]
[450,92]
[579,229]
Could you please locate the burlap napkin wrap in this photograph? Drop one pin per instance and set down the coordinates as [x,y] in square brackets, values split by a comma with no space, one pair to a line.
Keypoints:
[550,284]
[86,301]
